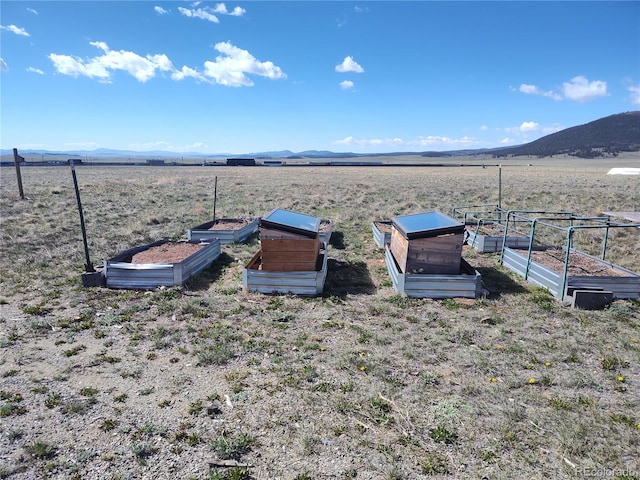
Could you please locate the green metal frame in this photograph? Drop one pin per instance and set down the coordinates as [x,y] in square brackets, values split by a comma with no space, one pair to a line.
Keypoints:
[600,222]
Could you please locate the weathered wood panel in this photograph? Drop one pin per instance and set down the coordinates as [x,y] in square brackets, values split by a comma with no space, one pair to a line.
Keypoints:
[285,251]
[440,254]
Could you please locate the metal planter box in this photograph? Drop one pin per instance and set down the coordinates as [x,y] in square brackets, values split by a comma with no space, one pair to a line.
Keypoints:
[204,232]
[493,244]
[324,233]
[306,283]
[120,272]
[627,286]
[467,283]
[381,232]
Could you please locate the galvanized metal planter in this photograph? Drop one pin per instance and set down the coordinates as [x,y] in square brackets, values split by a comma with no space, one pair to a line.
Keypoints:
[305,283]
[493,244]
[467,284]
[203,232]
[326,228]
[627,286]
[381,232]
[119,272]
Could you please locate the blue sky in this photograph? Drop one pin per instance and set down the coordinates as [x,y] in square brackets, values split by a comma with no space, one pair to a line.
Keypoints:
[366,77]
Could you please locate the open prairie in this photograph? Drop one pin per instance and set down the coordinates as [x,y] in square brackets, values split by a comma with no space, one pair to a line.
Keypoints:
[207,381]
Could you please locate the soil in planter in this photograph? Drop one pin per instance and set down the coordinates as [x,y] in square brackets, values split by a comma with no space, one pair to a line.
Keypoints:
[579,265]
[383,227]
[325,226]
[230,224]
[167,253]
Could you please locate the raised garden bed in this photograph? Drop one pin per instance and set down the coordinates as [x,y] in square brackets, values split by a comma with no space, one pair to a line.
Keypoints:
[325,230]
[489,238]
[466,284]
[228,230]
[305,283]
[163,263]
[546,268]
[381,232]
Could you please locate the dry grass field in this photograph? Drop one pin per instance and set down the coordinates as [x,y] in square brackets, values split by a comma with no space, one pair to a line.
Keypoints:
[207,381]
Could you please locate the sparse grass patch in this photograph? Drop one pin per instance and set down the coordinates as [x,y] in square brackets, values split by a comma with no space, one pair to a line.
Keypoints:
[42,450]
[222,367]
[233,447]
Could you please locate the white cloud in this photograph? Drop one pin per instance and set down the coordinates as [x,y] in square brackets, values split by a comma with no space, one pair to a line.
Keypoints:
[35,70]
[422,142]
[483,128]
[349,65]
[221,8]
[230,68]
[202,13]
[101,67]
[507,141]
[346,85]
[186,72]
[635,95]
[435,140]
[533,90]
[209,14]
[529,127]
[525,128]
[361,9]
[35,12]
[16,30]
[150,146]
[582,90]
[3,65]
[578,89]
[368,142]
[160,10]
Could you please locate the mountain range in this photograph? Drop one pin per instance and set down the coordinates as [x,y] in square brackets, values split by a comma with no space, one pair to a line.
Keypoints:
[607,136]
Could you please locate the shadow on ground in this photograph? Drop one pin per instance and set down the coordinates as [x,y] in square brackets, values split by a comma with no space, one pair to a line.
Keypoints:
[337,240]
[498,282]
[206,277]
[345,278]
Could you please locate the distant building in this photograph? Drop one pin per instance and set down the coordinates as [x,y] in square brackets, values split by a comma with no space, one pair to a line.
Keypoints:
[155,162]
[74,161]
[245,162]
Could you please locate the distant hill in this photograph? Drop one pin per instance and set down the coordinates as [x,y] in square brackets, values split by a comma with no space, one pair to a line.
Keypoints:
[607,136]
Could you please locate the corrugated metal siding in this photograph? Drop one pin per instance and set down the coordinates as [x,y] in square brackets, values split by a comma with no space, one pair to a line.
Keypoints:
[434,285]
[622,287]
[537,274]
[491,244]
[121,273]
[542,276]
[380,238]
[299,283]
